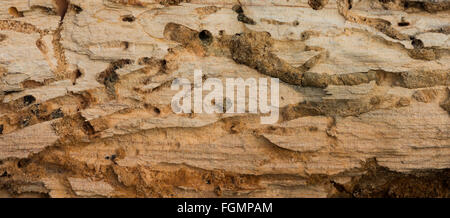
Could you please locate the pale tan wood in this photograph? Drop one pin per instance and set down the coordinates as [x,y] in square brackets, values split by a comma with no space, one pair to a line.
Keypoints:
[85,93]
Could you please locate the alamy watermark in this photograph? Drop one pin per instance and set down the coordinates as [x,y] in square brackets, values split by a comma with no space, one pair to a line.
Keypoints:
[214,101]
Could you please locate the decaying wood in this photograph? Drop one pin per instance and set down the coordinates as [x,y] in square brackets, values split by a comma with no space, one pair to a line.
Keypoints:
[85,98]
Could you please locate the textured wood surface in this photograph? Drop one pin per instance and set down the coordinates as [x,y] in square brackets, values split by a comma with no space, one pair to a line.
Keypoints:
[85,98]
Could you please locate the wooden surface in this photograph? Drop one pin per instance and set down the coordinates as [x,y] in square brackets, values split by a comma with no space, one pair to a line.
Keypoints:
[85,100]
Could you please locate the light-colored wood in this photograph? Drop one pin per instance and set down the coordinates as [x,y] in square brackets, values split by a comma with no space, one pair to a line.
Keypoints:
[85,96]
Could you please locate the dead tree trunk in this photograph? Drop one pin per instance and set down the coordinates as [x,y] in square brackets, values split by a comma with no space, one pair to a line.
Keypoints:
[85,98]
